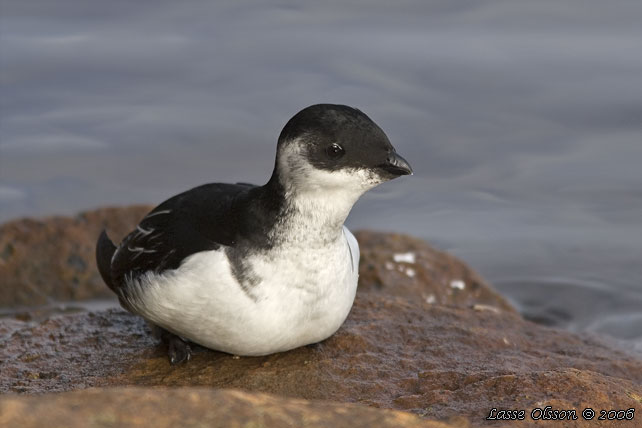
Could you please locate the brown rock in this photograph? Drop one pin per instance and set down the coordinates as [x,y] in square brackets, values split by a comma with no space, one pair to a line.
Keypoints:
[456,354]
[191,407]
[435,361]
[53,258]
[401,265]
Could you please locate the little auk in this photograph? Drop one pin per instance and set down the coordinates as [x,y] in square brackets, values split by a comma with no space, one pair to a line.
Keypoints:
[254,270]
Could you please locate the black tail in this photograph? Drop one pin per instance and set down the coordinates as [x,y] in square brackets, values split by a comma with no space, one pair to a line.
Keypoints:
[104,251]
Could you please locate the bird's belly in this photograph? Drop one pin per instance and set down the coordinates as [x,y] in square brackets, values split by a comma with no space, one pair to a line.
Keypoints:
[294,305]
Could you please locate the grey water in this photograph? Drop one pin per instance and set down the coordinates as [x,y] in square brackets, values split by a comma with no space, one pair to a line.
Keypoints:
[522,121]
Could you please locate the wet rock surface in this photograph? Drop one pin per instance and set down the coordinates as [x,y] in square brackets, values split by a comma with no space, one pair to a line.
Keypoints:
[70,352]
[457,354]
[431,360]
[192,407]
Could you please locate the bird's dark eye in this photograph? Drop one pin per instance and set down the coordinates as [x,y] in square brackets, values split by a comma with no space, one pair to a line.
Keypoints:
[334,151]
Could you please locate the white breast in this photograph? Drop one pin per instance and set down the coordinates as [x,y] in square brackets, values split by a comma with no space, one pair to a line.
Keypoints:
[304,297]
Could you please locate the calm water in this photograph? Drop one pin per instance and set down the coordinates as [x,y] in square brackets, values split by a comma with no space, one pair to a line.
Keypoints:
[523,122]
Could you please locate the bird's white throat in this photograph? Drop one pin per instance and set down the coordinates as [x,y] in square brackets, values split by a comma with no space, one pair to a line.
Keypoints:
[318,201]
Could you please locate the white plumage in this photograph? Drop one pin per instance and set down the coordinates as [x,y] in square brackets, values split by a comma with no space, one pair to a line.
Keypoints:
[308,295]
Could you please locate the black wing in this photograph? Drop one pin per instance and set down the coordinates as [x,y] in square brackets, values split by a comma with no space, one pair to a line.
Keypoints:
[200,219]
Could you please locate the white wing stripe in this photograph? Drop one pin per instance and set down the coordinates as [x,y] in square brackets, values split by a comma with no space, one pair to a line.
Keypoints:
[157,213]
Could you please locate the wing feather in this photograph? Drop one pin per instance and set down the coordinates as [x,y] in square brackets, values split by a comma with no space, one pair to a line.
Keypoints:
[200,219]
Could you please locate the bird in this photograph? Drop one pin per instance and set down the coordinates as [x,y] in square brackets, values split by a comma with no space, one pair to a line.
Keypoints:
[253,270]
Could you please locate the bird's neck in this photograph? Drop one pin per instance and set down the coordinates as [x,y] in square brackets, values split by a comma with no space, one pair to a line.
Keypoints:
[309,217]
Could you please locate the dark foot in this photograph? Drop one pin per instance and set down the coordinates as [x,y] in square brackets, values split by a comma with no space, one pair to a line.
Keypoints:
[178,350]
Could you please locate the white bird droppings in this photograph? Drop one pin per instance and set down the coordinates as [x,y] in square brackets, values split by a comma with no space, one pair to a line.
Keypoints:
[389,266]
[410,272]
[404,257]
[481,307]
[431,299]
[458,284]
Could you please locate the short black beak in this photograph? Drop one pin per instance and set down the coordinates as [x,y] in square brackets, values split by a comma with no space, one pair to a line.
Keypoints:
[397,165]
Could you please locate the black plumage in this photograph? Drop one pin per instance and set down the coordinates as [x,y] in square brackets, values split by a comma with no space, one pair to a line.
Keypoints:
[200,219]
